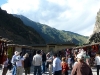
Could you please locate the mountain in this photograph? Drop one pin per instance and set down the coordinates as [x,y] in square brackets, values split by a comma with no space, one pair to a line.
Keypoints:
[52,35]
[95,36]
[14,29]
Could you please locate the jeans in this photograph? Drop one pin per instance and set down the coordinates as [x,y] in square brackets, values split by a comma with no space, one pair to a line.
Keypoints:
[14,70]
[37,69]
[98,67]
[57,72]
[43,67]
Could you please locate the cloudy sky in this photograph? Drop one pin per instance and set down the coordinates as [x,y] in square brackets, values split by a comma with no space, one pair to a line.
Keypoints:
[77,16]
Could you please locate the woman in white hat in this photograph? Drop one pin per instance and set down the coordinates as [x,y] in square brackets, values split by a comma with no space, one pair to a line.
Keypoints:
[81,68]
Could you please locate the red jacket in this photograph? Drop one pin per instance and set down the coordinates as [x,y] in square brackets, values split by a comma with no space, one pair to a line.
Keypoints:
[64,67]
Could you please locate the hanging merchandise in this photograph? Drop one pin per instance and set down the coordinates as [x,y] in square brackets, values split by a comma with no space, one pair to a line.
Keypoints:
[10,52]
[96,48]
[0,51]
[3,51]
[85,48]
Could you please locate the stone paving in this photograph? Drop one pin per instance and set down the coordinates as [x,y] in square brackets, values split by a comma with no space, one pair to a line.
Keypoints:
[9,72]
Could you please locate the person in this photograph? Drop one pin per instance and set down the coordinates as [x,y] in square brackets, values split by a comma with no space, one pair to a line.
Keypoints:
[13,61]
[49,63]
[56,65]
[37,62]
[27,64]
[47,57]
[87,59]
[5,64]
[72,60]
[9,64]
[75,62]
[81,68]
[97,62]
[19,64]
[69,62]
[65,67]
[43,61]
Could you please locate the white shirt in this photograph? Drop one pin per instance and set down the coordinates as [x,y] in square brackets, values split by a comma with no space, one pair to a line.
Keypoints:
[50,58]
[19,62]
[97,60]
[69,60]
[37,60]
[56,65]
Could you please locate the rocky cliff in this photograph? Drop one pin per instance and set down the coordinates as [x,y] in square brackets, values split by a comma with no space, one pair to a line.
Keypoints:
[95,37]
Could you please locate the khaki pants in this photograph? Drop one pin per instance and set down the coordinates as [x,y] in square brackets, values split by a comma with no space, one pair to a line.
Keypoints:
[20,70]
[50,69]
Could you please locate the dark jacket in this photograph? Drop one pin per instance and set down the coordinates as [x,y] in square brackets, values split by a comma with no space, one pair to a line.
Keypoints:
[81,69]
[44,57]
[27,62]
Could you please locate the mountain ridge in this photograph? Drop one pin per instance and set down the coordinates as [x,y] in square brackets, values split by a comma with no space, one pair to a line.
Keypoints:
[14,29]
[52,35]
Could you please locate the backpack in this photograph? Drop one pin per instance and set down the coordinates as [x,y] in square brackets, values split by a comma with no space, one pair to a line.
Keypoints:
[64,66]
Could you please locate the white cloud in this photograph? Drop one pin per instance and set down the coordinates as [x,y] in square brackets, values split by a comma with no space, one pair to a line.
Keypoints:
[21,6]
[71,15]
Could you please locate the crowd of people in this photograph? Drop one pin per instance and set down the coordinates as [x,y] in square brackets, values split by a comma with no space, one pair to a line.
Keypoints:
[77,61]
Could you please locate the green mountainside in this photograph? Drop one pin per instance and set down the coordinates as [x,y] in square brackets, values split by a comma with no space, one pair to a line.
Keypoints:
[52,35]
[14,29]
